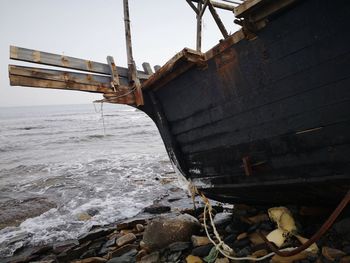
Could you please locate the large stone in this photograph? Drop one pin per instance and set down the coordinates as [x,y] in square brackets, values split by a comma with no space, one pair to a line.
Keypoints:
[126,239]
[161,232]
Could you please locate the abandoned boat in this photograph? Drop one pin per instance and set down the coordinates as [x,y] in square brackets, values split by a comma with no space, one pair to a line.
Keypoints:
[263,117]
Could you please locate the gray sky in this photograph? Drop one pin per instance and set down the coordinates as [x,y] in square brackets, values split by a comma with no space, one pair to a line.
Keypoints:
[93,29]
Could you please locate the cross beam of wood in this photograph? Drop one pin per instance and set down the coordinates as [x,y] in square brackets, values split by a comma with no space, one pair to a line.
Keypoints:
[113,81]
[50,59]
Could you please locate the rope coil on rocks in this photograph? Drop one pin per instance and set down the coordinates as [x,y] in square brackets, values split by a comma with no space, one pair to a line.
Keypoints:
[226,251]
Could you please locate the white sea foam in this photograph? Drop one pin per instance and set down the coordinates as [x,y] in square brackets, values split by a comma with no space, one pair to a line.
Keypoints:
[111,177]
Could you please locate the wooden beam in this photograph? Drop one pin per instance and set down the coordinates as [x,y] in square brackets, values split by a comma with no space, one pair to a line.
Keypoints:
[193,6]
[44,58]
[199,27]
[217,20]
[133,78]
[39,78]
[52,84]
[113,72]
[147,68]
[220,5]
[245,6]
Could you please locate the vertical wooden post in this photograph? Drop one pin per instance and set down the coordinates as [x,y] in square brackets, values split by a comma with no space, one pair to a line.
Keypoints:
[131,63]
[199,26]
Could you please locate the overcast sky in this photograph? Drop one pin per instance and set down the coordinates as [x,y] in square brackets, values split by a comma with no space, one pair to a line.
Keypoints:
[93,29]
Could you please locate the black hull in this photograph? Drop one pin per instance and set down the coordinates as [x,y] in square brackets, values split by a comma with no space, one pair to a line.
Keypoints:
[265,120]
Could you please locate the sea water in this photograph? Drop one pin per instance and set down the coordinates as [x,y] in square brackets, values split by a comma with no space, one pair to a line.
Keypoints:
[74,159]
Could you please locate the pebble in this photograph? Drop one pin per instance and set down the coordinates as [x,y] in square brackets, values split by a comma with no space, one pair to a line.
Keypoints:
[332,253]
[202,251]
[157,209]
[222,260]
[126,239]
[222,219]
[91,260]
[141,254]
[242,236]
[140,228]
[193,259]
[279,259]
[95,234]
[255,239]
[65,245]
[230,238]
[345,259]
[83,217]
[151,258]
[259,218]
[260,253]
[121,250]
[179,246]
[131,223]
[129,257]
[241,243]
[200,241]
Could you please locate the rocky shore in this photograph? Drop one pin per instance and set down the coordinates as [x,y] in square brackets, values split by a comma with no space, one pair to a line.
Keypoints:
[172,230]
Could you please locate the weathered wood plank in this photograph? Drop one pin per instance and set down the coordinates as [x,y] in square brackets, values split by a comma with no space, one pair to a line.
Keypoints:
[34,56]
[63,76]
[16,80]
[114,71]
[147,68]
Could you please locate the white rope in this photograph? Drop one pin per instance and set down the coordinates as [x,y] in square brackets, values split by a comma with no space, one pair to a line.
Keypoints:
[102,116]
[223,248]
